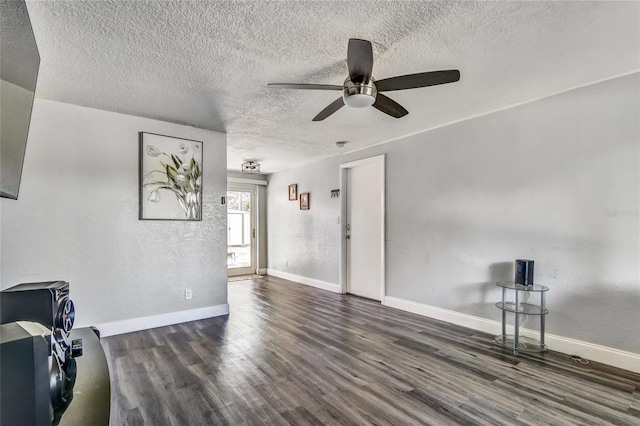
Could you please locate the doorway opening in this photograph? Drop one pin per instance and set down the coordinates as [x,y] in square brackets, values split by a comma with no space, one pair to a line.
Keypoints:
[241,231]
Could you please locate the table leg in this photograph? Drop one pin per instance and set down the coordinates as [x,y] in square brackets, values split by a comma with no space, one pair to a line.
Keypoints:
[517,325]
[504,315]
[542,317]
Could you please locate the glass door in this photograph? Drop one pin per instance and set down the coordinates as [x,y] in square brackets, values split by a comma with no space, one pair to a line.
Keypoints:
[241,231]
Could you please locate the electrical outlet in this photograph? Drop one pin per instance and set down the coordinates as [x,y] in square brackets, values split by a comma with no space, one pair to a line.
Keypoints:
[286,263]
[188,294]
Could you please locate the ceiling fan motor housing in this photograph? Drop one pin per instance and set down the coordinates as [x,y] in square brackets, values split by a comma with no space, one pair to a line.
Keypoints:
[359,95]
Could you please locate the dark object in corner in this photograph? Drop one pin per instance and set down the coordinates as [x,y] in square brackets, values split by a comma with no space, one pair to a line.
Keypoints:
[18,76]
[66,393]
[524,272]
[95,331]
[26,395]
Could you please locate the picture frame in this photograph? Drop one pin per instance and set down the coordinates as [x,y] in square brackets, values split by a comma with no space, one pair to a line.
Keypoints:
[293,192]
[170,178]
[304,201]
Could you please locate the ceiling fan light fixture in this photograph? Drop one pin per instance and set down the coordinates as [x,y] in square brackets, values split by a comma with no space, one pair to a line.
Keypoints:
[359,95]
[251,167]
[359,100]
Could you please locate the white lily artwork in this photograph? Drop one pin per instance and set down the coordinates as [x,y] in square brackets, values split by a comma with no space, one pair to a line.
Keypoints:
[170,178]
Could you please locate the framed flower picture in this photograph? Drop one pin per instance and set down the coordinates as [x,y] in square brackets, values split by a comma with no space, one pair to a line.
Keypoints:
[304,201]
[293,192]
[170,178]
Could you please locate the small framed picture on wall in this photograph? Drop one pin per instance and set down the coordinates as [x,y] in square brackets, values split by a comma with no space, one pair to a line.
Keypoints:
[304,201]
[293,192]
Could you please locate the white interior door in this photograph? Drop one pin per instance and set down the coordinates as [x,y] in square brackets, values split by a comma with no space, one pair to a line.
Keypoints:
[241,231]
[364,228]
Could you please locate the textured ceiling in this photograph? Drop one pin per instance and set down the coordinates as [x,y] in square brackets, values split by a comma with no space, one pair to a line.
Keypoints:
[207,63]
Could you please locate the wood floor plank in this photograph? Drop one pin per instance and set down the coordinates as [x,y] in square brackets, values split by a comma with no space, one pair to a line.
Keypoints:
[289,354]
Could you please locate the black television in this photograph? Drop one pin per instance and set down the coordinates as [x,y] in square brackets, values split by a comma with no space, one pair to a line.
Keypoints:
[19,64]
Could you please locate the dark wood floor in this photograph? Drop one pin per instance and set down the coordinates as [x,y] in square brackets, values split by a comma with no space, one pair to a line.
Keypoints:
[291,354]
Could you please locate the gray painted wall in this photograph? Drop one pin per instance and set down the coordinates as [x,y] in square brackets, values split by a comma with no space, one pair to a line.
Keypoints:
[77,219]
[556,180]
[305,242]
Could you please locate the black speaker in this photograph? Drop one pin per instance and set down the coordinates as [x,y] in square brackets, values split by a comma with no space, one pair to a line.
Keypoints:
[45,302]
[27,380]
[524,272]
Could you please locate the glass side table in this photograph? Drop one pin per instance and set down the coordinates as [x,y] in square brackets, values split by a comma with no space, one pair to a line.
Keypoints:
[515,341]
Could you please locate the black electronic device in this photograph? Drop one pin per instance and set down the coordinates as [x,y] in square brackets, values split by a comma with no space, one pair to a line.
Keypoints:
[28,382]
[76,348]
[47,303]
[524,272]
[45,310]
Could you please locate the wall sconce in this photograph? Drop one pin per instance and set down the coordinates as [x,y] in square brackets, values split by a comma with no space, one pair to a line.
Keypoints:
[250,166]
[335,193]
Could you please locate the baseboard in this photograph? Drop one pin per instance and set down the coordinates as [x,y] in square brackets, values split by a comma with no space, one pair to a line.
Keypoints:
[262,271]
[144,323]
[610,356]
[324,285]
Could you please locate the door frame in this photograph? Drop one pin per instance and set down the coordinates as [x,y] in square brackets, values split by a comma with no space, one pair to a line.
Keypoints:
[380,159]
[253,219]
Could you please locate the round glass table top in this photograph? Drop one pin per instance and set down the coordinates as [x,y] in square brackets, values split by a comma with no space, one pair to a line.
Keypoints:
[513,286]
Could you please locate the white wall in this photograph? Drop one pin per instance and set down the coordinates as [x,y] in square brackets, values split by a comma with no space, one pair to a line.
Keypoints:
[305,243]
[555,180]
[76,219]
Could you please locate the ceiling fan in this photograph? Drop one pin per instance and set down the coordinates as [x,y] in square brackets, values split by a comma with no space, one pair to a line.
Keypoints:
[361,90]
